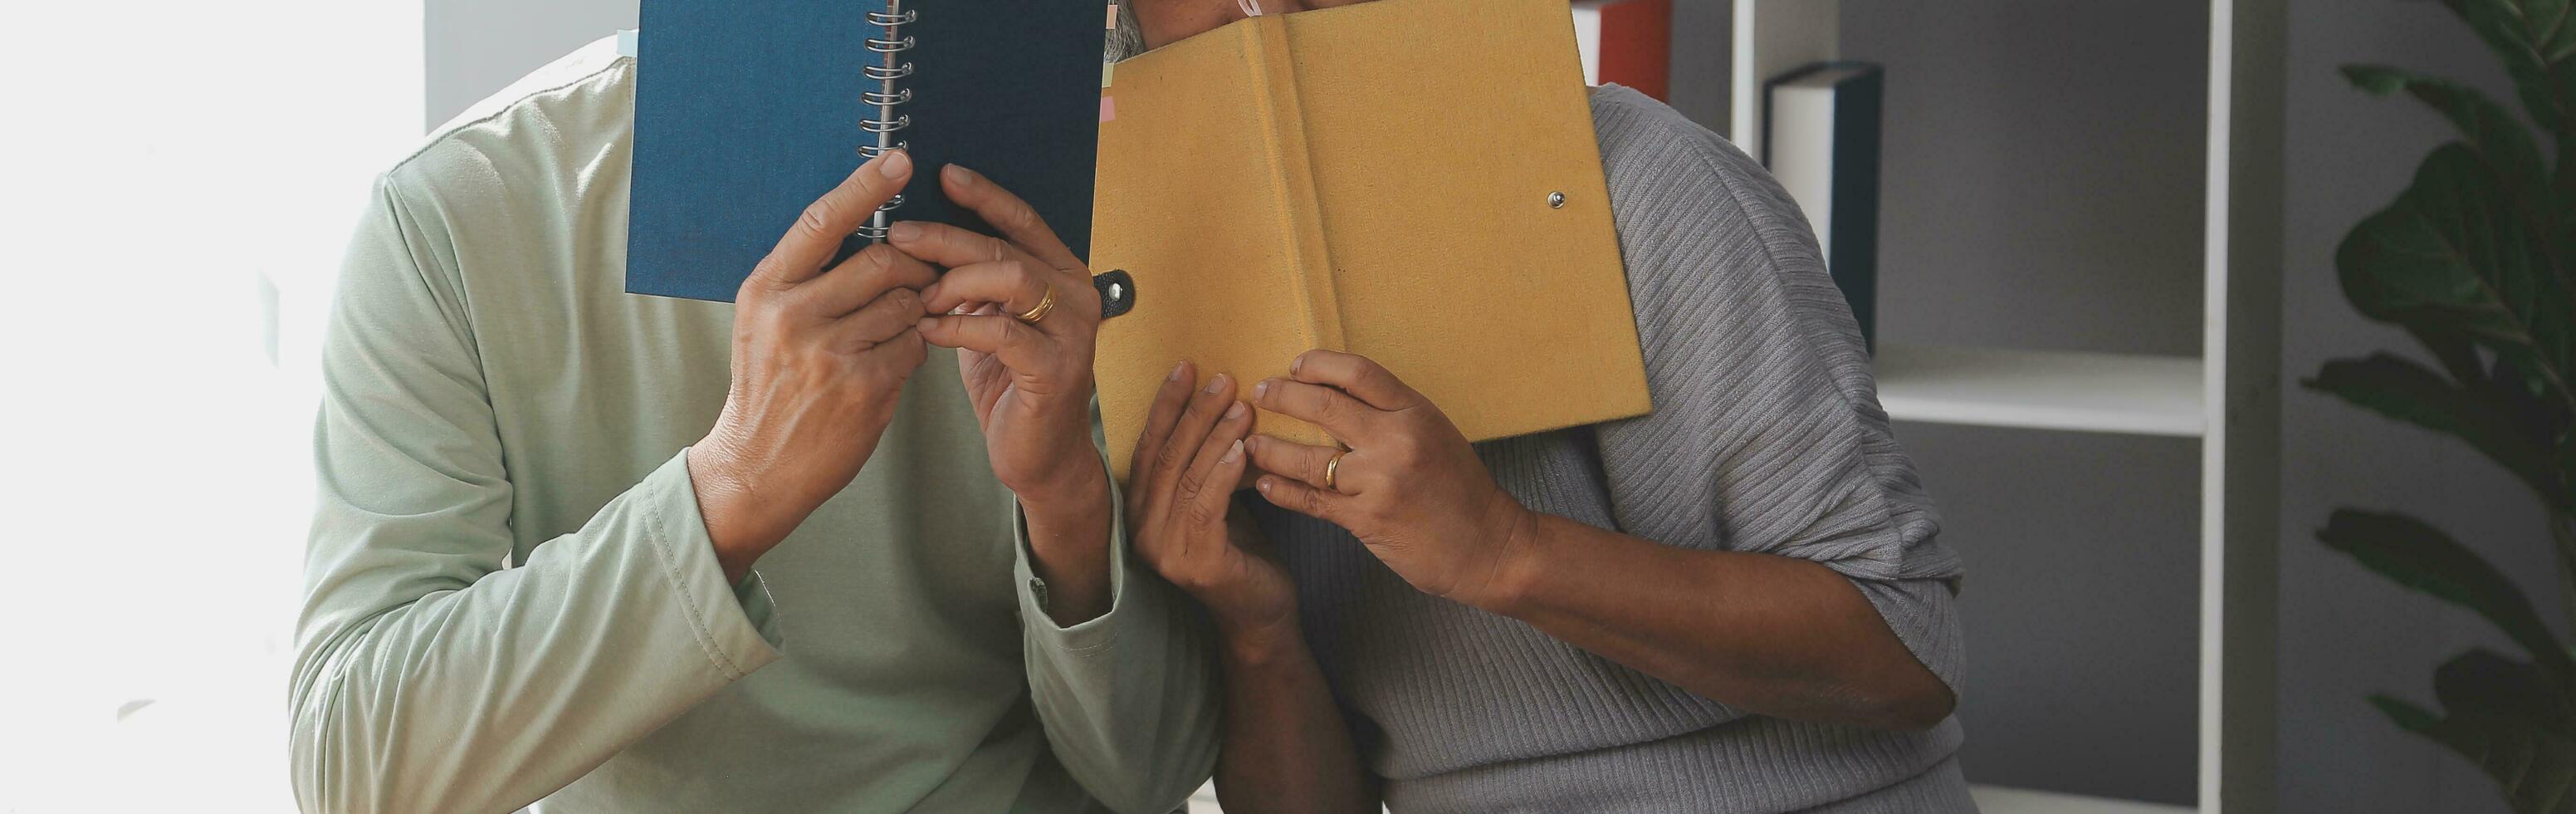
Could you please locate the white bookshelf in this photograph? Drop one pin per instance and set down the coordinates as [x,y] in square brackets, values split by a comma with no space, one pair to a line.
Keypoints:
[2227,397]
[2001,800]
[2043,389]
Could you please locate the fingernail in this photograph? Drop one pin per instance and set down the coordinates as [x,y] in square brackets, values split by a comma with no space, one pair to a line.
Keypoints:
[1216,383]
[894,164]
[904,231]
[1263,484]
[1233,453]
[1261,389]
[958,175]
[1294,364]
[1177,370]
[1234,412]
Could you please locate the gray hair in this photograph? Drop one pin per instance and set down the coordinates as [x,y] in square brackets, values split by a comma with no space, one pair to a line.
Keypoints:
[1128,39]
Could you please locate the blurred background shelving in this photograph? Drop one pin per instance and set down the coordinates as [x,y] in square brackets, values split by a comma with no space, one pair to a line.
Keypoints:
[2077,299]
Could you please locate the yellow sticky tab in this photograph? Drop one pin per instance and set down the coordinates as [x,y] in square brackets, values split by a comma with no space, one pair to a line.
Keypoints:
[1107,68]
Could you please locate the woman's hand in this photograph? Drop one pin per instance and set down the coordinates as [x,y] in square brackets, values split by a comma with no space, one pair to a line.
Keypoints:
[1030,380]
[1409,486]
[1186,465]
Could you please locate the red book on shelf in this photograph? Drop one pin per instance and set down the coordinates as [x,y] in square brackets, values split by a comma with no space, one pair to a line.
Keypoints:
[1637,45]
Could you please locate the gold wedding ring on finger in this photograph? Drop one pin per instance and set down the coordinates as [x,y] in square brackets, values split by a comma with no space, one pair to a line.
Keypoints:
[1333,472]
[1039,311]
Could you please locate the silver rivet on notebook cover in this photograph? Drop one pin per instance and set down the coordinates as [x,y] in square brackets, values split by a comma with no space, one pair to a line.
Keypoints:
[1556,200]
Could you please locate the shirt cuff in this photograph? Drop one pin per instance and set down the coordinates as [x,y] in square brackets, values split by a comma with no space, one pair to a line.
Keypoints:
[736,623]
[1091,633]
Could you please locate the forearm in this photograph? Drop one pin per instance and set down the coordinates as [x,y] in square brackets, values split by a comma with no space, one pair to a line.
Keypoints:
[1126,690]
[1069,530]
[504,687]
[1772,635]
[1286,747]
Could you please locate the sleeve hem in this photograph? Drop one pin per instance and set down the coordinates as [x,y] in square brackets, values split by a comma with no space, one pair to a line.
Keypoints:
[733,624]
[1091,634]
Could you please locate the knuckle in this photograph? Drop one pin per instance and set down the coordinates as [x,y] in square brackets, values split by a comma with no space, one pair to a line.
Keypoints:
[758,281]
[1167,457]
[1018,216]
[1201,514]
[1375,378]
[819,217]
[1330,409]
[1013,340]
[878,257]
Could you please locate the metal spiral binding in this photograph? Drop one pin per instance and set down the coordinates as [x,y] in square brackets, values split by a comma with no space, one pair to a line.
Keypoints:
[886,123]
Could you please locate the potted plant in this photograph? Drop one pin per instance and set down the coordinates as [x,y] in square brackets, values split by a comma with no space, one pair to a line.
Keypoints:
[2474,260]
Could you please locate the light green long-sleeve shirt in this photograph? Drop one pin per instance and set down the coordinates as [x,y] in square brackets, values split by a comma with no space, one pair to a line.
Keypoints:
[510,594]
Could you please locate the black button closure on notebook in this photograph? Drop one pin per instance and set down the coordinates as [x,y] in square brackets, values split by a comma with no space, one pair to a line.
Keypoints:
[1117,292]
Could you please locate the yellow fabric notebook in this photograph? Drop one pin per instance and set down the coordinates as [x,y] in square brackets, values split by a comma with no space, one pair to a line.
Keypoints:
[1415,181]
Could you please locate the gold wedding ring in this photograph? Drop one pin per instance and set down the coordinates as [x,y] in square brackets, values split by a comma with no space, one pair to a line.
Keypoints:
[1333,471]
[1039,311]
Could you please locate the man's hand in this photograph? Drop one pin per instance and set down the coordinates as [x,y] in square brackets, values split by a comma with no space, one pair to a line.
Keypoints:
[818,359]
[1181,503]
[1030,380]
[1410,487]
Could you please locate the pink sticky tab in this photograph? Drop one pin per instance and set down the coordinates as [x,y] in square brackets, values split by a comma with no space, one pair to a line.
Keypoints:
[1113,16]
[1108,108]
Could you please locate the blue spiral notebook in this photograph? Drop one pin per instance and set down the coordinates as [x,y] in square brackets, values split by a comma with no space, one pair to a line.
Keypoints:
[748,110]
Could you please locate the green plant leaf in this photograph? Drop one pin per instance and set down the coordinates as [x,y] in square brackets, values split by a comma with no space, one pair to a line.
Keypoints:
[2407,715]
[2490,130]
[2458,355]
[2449,257]
[2421,557]
[2537,42]
[2534,762]
[2537,767]
[2484,682]
[2409,392]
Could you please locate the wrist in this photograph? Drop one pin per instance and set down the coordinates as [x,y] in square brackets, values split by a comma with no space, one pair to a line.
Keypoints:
[1518,564]
[1076,491]
[727,508]
[1260,645]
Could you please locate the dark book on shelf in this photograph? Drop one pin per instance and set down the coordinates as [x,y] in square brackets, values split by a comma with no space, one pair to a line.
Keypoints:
[1823,146]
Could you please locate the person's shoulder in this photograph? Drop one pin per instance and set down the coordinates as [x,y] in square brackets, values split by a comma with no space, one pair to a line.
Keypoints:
[548,130]
[1672,180]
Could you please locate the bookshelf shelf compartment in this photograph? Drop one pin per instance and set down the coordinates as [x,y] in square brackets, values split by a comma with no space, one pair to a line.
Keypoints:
[2005,800]
[2042,389]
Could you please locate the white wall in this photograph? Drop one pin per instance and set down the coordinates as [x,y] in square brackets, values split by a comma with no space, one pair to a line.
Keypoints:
[475,47]
[182,178]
